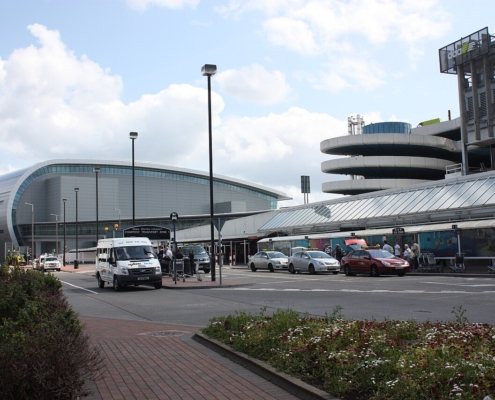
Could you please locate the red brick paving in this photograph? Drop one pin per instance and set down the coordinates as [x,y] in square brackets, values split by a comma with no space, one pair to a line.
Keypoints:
[169,365]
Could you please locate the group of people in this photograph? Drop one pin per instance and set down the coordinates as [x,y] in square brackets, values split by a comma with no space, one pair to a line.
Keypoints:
[410,254]
[166,257]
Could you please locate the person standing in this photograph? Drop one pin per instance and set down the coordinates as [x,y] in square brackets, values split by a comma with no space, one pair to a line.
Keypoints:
[338,253]
[396,249]
[415,254]
[387,247]
[191,262]
[167,258]
[407,252]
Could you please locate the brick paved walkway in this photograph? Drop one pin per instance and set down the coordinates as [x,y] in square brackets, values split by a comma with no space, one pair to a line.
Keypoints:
[155,361]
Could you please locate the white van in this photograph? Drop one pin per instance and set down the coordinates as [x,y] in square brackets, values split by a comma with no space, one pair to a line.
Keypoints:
[127,261]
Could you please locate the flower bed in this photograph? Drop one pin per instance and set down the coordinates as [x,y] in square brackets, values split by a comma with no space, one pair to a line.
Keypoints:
[354,359]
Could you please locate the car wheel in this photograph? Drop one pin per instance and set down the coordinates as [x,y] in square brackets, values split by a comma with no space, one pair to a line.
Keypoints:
[347,270]
[253,268]
[335,272]
[312,270]
[101,282]
[58,269]
[374,271]
[291,269]
[158,285]
[401,274]
[116,285]
[206,270]
[270,267]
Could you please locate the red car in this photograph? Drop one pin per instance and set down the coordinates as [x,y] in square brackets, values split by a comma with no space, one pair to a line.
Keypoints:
[374,262]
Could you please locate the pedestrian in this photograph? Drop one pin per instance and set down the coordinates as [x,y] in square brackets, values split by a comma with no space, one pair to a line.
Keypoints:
[191,262]
[387,247]
[338,253]
[167,258]
[407,252]
[415,254]
[161,255]
[396,249]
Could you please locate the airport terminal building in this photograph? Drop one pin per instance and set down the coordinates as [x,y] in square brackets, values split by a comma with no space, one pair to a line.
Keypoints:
[40,204]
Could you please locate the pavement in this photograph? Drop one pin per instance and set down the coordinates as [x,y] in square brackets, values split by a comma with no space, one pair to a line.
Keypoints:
[145,360]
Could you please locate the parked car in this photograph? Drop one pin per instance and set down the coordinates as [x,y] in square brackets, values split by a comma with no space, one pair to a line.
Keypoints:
[374,262]
[48,263]
[200,255]
[313,261]
[268,259]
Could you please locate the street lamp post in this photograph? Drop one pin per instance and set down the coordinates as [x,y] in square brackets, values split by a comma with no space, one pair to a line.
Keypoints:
[32,229]
[209,70]
[96,170]
[76,261]
[133,136]
[56,232]
[64,200]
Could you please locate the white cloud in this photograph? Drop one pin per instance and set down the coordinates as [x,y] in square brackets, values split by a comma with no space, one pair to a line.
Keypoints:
[142,5]
[294,34]
[254,84]
[53,104]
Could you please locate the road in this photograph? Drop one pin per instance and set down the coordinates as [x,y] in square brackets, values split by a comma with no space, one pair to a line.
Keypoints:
[426,297]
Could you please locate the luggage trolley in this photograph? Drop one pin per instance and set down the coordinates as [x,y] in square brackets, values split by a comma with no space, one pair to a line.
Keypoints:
[179,270]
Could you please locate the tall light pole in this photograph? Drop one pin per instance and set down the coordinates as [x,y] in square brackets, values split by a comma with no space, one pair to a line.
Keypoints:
[32,229]
[96,170]
[56,231]
[76,262]
[209,70]
[133,136]
[64,200]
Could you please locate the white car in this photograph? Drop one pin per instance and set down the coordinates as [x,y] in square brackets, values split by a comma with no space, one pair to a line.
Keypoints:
[49,263]
[268,259]
[313,261]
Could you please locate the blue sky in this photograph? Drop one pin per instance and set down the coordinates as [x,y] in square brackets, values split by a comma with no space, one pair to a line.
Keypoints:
[77,76]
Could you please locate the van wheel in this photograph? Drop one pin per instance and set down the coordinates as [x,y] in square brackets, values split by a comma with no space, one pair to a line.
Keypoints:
[101,282]
[116,285]
[158,285]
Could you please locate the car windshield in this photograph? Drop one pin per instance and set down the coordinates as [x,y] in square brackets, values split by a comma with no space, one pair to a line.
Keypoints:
[196,249]
[318,254]
[135,253]
[381,254]
[277,254]
[51,259]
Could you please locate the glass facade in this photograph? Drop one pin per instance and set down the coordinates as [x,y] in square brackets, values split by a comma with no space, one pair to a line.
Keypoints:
[387,127]
[442,197]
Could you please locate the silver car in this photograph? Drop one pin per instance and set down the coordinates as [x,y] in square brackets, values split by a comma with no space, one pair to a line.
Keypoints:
[313,261]
[268,259]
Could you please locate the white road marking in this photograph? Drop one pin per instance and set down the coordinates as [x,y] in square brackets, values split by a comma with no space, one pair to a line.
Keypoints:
[359,291]
[79,287]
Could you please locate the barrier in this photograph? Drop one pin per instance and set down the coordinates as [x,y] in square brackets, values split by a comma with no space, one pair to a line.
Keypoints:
[234,259]
[230,259]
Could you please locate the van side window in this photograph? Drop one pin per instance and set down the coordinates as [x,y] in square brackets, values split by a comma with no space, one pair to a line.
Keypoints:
[112,255]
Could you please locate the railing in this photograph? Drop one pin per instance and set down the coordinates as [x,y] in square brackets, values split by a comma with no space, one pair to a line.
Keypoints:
[453,169]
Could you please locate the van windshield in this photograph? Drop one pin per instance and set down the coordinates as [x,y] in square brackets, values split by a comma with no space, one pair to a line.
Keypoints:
[135,253]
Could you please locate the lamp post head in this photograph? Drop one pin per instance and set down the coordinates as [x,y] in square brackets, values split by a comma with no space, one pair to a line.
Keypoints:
[76,190]
[116,226]
[106,228]
[133,135]
[209,70]
[96,170]
[64,200]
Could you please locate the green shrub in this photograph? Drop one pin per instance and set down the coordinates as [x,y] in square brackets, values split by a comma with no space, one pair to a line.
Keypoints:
[44,352]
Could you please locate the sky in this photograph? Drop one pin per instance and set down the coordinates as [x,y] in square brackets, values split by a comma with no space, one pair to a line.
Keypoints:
[76,76]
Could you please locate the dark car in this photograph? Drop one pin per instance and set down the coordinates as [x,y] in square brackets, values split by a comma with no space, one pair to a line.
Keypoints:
[200,255]
[374,262]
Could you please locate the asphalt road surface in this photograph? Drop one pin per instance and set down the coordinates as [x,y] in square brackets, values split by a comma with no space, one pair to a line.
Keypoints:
[427,297]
